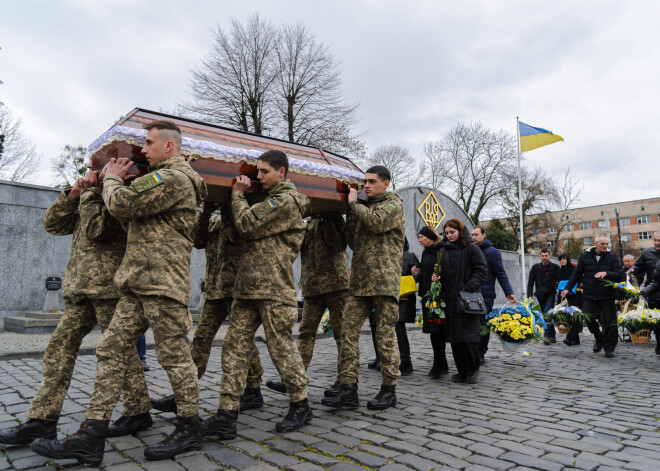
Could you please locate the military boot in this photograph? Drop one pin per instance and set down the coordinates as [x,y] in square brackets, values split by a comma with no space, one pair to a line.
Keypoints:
[384,399]
[299,414]
[333,390]
[222,425]
[251,399]
[164,404]
[276,386]
[25,433]
[86,445]
[128,425]
[347,397]
[187,436]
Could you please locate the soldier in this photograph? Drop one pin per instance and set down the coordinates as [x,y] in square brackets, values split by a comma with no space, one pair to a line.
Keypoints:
[218,237]
[90,297]
[324,285]
[154,279]
[375,232]
[272,232]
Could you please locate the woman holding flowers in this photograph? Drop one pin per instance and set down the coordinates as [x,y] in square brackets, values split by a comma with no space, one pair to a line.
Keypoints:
[462,268]
[433,321]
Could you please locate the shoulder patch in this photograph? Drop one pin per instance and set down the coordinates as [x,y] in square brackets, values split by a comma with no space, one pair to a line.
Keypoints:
[147,182]
[263,208]
[389,207]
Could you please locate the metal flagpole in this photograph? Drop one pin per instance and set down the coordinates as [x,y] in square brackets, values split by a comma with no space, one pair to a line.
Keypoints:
[522,231]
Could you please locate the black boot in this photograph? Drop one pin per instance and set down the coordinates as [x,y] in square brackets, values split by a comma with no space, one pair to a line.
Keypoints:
[440,367]
[251,399]
[374,364]
[222,425]
[128,425]
[86,445]
[333,390]
[406,368]
[164,404]
[187,436]
[299,414]
[347,397]
[25,433]
[276,386]
[385,398]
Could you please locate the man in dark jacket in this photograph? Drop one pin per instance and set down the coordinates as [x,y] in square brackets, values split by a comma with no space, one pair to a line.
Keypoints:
[544,276]
[645,265]
[595,265]
[495,271]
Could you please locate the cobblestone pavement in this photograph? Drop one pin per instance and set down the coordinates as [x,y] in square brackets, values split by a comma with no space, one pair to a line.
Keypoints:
[557,408]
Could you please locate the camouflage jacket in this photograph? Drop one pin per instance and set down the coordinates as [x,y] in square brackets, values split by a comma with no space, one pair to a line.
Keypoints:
[160,210]
[218,236]
[97,248]
[375,232]
[323,257]
[273,232]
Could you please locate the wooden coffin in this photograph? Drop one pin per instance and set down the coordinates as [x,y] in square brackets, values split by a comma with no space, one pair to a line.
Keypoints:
[219,155]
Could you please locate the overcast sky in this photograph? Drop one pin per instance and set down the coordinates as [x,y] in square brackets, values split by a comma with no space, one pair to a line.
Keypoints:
[588,71]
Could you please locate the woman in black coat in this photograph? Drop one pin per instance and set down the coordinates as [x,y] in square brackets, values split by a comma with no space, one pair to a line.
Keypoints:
[407,312]
[431,243]
[463,268]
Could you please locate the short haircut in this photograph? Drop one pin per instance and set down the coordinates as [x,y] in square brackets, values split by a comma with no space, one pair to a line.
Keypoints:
[482,229]
[172,131]
[381,171]
[601,236]
[459,226]
[544,250]
[630,256]
[276,159]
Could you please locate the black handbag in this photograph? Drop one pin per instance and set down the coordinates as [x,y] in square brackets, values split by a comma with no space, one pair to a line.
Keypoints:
[471,303]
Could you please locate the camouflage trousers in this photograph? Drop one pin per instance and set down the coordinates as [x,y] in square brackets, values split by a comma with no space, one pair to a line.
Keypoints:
[77,321]
[386,313]
[278,320]
[313,309]
[170,322]
[214,313]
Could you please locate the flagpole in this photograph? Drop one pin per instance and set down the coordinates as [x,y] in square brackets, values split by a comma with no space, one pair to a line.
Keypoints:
[522,232]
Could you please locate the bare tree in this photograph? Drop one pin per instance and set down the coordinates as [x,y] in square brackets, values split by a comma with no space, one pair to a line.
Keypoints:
[18,158]
[232,85]
[468,162]
[337,138]
[69,165]
[309,92]
[562,218]
[398,161]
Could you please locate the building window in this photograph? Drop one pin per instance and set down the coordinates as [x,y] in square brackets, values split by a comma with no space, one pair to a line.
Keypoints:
[624,221]
[648,235]
[586,240]
[551,230]
[603,224]
[626,237]
[550,243]
[585,226]
[643,219]
[568,228]
[535,230]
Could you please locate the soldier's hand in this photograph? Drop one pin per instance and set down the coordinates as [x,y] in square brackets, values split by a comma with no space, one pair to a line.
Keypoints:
[118,167]
[242,184]
[91,179]
[352,195]
[74,193]
[208,207]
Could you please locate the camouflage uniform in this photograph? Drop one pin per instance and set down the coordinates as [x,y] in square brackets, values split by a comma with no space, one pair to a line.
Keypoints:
[375,232]
[154,279]
[324,281]
[272,232]
[90,297]
[218,236]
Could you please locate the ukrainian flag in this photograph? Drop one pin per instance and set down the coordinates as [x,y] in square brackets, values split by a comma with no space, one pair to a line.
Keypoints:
[532,138]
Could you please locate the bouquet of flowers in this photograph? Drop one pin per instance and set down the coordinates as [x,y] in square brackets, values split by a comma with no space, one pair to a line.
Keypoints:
[516,324]
[435,305]
[325,327]
[419,318]
[633,319]
[629,287]
[562,314]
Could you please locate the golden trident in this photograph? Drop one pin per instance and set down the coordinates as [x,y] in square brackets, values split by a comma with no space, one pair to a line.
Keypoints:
[433,213]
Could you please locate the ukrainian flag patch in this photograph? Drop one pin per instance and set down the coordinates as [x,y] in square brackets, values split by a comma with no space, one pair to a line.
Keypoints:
[157,177]
[261,209]
[271,203]
[147,182]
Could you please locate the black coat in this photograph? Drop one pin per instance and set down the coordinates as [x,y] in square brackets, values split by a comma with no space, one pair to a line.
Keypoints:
[463,268]
[645,265]
[545,281]
[653,285]
[495,271]
[408,307]
[429,259]
[588,266]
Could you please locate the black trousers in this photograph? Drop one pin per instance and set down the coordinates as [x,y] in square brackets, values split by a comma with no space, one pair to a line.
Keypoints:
[483,342]
[439,344]
[602,311]
[466,357]
[402,340]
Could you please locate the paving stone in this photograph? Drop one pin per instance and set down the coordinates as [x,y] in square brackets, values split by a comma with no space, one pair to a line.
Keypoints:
[489,462]
[416,462]
[317,458]
[230,458]
[405,447]
[279,460]
[197,462]
[346,467]
[365,459]
[125,467]
[164,465]
[331,448]
[519,448]
[28,462]
[250,448]
[394,467]
[531,461]
[378,450]
[486,450]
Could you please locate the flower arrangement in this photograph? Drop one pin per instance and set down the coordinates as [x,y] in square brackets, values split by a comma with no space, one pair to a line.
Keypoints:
[435,305]
[516,323]
[325,326]
[419,318]
[639,318]
[629,287]
[567,315]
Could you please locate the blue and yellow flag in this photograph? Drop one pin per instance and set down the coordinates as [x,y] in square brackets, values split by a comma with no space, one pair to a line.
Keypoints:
[532,138]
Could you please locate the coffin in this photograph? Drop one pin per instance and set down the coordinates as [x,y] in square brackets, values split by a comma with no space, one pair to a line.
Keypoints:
[219,155]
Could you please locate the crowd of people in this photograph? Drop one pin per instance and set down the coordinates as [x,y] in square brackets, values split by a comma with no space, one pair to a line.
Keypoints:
[130,271]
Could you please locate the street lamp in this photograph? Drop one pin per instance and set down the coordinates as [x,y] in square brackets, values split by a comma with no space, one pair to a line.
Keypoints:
[617,211]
